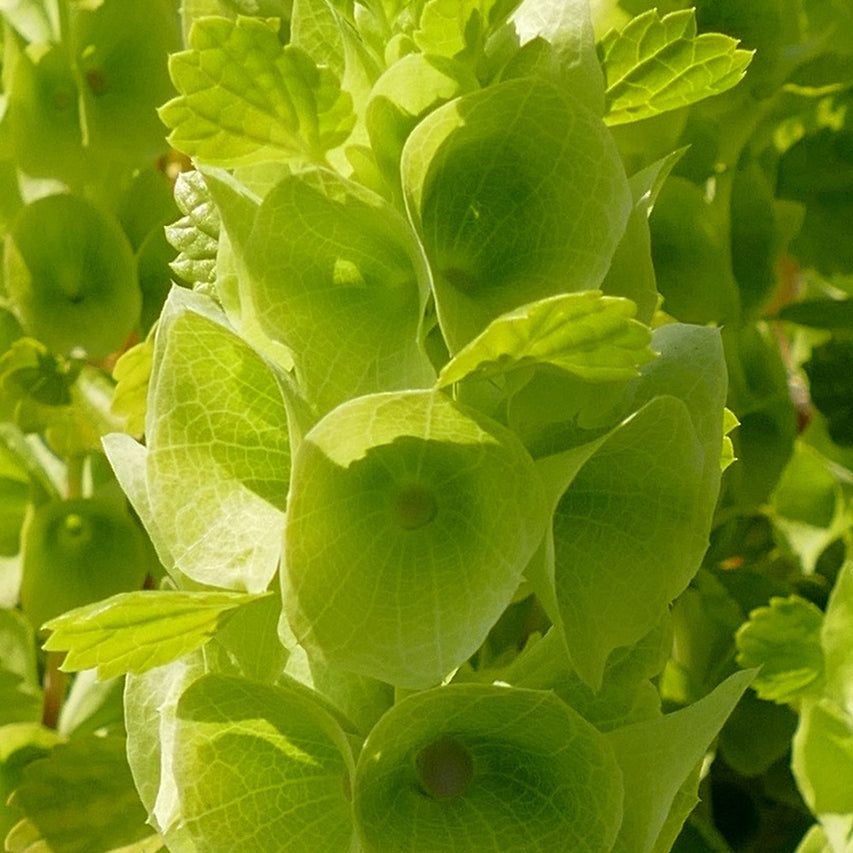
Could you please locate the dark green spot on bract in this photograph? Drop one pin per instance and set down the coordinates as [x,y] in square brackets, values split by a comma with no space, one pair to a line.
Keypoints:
[96,81]
[62,100]
[414,506]
[445,768]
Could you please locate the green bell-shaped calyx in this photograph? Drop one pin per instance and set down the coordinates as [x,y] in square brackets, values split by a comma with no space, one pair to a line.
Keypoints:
[487,768]
[409,525]
[70,272]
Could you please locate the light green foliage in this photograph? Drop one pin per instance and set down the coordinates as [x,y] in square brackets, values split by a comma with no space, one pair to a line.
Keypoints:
[431,468]
[150,703]
[195,234]
[658,63]
[673,745]
[486,767]
[245,97]
[641,483]
[135,632]
[406,92]
[131,374]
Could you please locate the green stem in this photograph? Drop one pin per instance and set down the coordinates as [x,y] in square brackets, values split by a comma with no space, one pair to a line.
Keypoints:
[74,466]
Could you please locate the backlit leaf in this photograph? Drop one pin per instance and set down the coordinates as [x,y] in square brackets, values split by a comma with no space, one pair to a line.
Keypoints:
[245,98]
[137,631]
[217,430]
[586,334]
[518,194]
[659,63]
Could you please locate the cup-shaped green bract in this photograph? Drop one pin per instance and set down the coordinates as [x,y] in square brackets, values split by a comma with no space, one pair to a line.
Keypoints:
[122,49]
[71,276]
[409,525]
[486,768]
[78,551]
[518,193]
[42,115]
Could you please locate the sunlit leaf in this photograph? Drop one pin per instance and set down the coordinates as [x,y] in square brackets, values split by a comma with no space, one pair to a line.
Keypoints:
[659,63]
[245,97]
[196,234]
[497,234]
[137,631]
[586,334]
[216,429]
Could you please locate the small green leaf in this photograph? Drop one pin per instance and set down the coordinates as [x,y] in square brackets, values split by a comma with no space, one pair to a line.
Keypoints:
[245,98]
[81,797]
[196,234]
[261,767]
[784,639]
[589,335]
[450,27]
[730,423]
[490,768]
[137,631]
[658,63]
